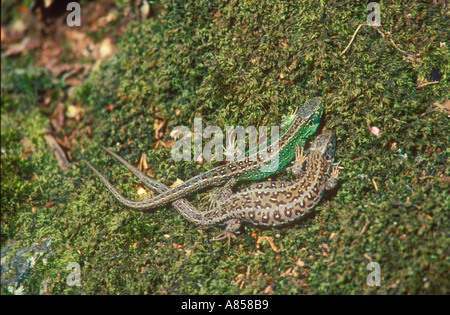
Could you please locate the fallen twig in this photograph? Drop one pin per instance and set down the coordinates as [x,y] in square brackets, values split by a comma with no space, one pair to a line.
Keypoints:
[353,37]
[426,83]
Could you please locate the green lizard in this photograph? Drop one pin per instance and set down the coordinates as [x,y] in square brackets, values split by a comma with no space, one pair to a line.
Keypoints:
[253,167]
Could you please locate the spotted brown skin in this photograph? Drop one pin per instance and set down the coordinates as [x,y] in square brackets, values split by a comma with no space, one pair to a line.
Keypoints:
[275,203]
[303,124]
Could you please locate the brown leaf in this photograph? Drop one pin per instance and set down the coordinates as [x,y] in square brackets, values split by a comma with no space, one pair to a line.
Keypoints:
[268,290]
[25,45]
[177,246]
[57,119]
[159,143]
[143,162]
[50,204]
[445,107]
[169,143]
[158,127]
[106,48]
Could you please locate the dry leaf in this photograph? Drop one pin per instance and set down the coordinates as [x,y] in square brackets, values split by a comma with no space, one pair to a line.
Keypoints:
[106,48]
[74,111]
[50,203]
[177,246]
[24,45]
[143,162]
[445,107]
[158,127]
[141,191]
[169,143]
[176,183]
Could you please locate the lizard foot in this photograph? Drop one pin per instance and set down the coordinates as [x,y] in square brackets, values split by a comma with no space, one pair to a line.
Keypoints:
[300,159]
[299,156]
[223,235]
[333,180]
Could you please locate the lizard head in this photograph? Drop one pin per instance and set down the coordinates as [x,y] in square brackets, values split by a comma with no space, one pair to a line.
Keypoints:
[325,144]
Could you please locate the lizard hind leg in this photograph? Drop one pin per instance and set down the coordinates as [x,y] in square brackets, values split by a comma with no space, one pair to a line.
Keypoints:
[334,177]
[231,229]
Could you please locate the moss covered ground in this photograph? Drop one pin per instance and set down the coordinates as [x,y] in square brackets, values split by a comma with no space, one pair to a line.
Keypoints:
[239,63]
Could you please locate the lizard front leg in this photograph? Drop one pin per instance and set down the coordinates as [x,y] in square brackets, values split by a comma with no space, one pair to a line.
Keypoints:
[334,176]
[300,159]
[220,195]
[232,228]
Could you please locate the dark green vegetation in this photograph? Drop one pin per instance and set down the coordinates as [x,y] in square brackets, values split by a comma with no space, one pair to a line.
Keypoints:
[244,63]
